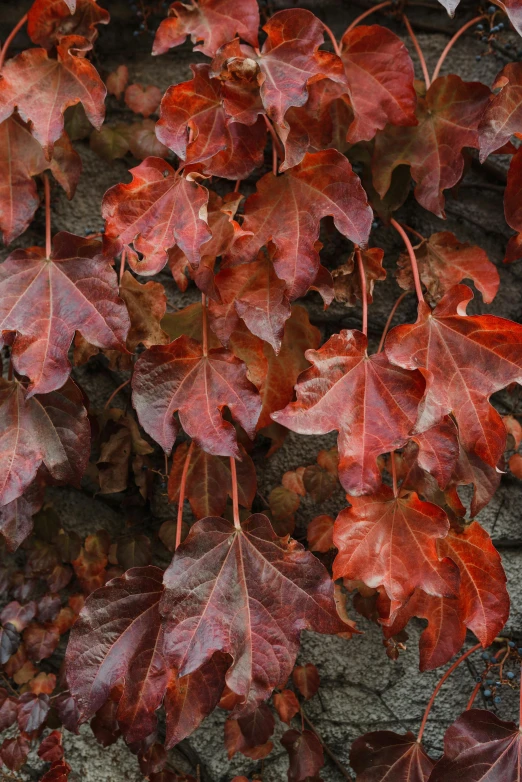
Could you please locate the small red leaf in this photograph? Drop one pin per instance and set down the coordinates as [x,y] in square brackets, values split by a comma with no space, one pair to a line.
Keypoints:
[143,100]
[306,679]
[250,734]
[32,711]
[319,534]
[286,705]
[305,753]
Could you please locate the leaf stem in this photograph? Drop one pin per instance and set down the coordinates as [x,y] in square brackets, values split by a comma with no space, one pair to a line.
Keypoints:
[204,325]
[394,474]
[363,16]
[9,39]
[115,393]
[181,500]
[364,292]
[47,192]
[474,694]
[276,145]
[237,186]
[441,682]
[414,232]
[452,41]
[390,318]
[235,496]
[413,259]
[122,263]
[418,49]
[333,39]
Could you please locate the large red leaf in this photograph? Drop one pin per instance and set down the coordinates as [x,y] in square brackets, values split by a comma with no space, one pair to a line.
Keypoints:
[392,542]
[273,588]
[21,158]
[479,747]
[159,209]
[287,210]
[50,429]
[481,353]
[379,73]
[383,756]
[48,21]
[448,119]
[213,22]
[117,638]
[41,89]
[178,377]
[45,300]
[362,397]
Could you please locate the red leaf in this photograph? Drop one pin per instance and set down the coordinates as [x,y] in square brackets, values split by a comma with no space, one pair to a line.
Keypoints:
[448,121]
[392,541]
[48,21]
[14,752]
[319,534]
[379,73]
[59,772]
[8,709]
[364,398]
[305,753]
[16,517]
[439,451]
[306,679]
[41,89]
[17,615]
[286,705]
[444,262]
[383,754]
[479,747]
[178,377]
[96,659]
[287,210]
[512,210]
[52,429]
[45,300]
[67,711]
[40,641]
[214,22]
[275,589]
[486,355]
[143,100]
[117,80]
[250,735]
[32,711]
[502,116]
[158,210]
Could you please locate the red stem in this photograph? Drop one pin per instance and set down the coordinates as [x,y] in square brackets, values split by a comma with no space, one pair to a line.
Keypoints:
[413,231]
[333,39]
[364,292]
[441,682]
[8,40]
[394,474]
[204,326]
[237,186]
[452,41]
[276,145]
[115,393]
[181,502]
[474,694]
[122,263]
[418,49]
[390,318]
[365,14]
[235,496]
[413,259]
[47,191]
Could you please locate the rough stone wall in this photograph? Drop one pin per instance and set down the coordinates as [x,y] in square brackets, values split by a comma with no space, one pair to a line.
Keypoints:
[361,689]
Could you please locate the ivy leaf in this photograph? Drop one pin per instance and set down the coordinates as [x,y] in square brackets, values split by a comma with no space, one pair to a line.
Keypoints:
[179,377]
[250,734]
[444,262]
[48,21]
[14,752]
[372,407]
[52,429]
[448,119]
[159,209]
[117,80]
[146,304]
[32,711]
[213,22]
[40,89]
[275,589]
[16,517]
[392,542]
[286,705]
[379,73]
[305,753]
[287,210]
[306,679]
[143,100]
[376,755]
[22,158]
[485,353]
[479,746]
[45,300]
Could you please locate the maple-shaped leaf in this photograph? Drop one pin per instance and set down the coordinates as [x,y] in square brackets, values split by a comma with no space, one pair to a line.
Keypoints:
[392,542]
[16,517]
[50,429]
[379,73]
[48,21]
[287,210]
[438,450]
[383,755]
[251,291]
[512,210]
[443,262]
[118,638]
[305,753]
[213,22]
[250,734]
[362,397]
[22,158]
[179,377]
[146,304]
[448,118]
[244,151]
[275,375]
[347,281]
[40,89]
[274,590]
[209,481]
[485,355]
[45,300]
[159,209]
